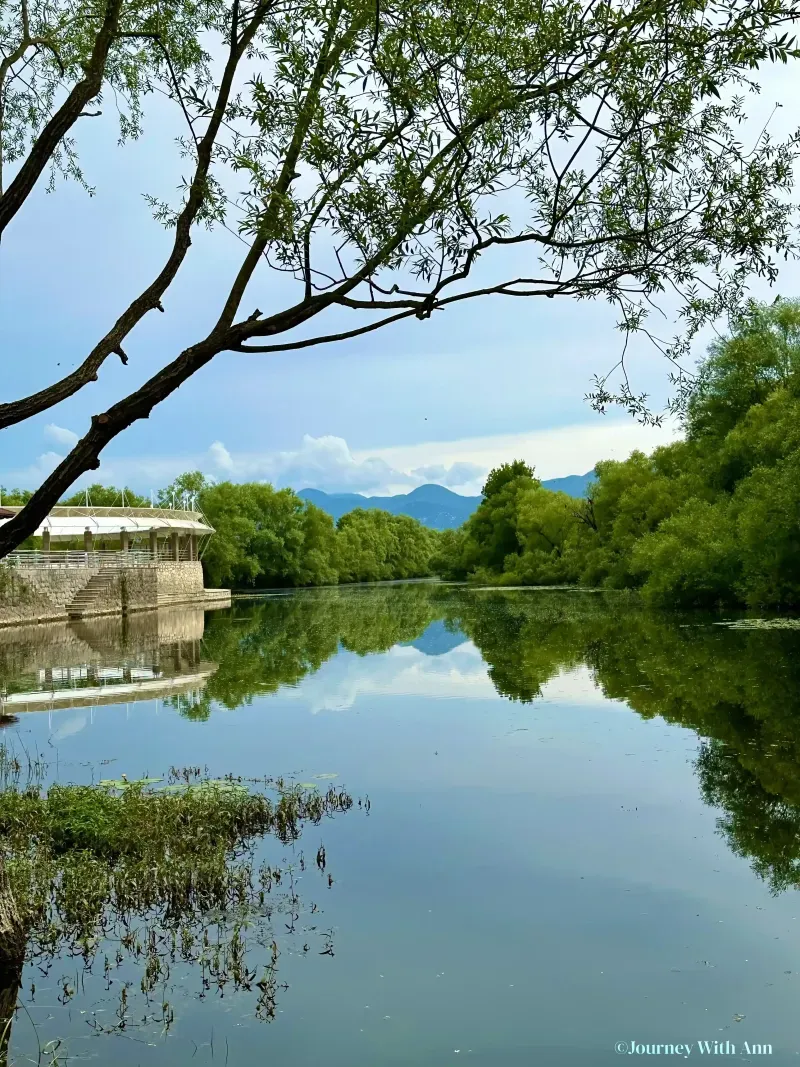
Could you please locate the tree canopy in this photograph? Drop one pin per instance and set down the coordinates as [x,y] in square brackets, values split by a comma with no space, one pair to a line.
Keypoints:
[107,496]
[266,537]
[761,354]
[710,520]
[373,154]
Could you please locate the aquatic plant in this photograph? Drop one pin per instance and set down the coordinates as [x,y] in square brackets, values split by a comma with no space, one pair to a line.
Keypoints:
[163,870]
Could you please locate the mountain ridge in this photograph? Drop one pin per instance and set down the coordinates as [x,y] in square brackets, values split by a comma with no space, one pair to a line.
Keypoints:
[432,505]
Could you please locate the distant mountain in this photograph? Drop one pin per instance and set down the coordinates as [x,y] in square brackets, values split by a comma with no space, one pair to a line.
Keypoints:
[572,485]
[432,505]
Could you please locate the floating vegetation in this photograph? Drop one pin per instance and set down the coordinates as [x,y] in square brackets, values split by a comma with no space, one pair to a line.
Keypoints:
[152,872]
[123,783]
[227,785]
[761,624]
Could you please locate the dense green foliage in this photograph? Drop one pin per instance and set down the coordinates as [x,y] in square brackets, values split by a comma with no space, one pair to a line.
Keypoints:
[269,537]
[14,497]
[713,519]
[262,645]
[106,496]
[263,536]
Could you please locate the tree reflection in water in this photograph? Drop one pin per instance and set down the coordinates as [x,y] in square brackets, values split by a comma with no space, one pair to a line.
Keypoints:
[737,688]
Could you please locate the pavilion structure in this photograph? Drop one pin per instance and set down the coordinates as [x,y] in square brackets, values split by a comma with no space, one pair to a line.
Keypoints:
[84,561]
[161,533]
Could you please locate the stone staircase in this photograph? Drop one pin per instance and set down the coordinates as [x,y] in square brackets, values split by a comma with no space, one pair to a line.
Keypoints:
[88,599]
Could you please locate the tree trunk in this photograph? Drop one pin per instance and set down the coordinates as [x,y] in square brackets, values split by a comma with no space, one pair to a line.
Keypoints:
[10,983]
[12,958]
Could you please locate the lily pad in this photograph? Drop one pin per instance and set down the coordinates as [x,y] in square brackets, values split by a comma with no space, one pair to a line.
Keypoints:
[223,785]
[308,785]
[319,777]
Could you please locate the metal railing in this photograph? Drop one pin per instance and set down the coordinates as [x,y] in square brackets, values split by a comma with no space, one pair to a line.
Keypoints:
[101,559]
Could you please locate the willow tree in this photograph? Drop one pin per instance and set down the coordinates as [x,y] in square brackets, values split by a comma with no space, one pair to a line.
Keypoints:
[389,155]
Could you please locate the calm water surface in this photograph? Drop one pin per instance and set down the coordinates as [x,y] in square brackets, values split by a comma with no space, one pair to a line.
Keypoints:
[583,829]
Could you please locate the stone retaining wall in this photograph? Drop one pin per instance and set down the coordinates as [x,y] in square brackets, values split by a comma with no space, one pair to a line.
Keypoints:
[44,594]
[39,593]
[179,579]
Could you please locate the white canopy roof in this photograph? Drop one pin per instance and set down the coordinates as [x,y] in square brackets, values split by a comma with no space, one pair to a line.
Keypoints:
[68,523]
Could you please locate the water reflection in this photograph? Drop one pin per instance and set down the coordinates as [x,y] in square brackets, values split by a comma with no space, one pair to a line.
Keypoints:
[523,826]
[101,661]
[737,688]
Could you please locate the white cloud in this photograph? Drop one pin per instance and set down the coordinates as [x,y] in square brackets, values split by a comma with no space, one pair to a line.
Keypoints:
[31,476]
[47,462]
[221,457]
[577,686]
[401,671]
[325,462]
[320,463]
[459,474]
[60,436]
[70,726]
[328,463]
[554,453]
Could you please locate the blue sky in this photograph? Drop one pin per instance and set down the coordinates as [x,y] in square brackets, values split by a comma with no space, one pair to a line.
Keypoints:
[441,400]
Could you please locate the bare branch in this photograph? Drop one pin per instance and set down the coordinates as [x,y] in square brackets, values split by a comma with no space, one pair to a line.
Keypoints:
[347,335]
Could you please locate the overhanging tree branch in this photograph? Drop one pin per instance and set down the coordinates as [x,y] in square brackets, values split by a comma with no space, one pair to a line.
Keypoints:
[376,143]
[150,298]
[65,117]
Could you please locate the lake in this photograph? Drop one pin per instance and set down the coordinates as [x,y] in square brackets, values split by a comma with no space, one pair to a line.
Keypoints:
[579,825]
